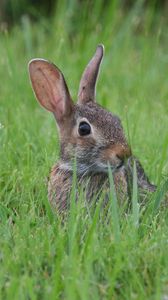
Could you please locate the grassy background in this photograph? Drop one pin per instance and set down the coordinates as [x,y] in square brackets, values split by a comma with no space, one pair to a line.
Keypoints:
[82,259]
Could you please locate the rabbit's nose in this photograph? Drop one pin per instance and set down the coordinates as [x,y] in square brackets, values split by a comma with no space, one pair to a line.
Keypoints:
[123,152]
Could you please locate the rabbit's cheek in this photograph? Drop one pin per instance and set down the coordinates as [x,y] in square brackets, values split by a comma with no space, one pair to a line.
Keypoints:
[85,143]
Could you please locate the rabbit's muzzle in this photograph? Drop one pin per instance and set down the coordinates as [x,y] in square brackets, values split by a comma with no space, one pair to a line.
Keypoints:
[116,155]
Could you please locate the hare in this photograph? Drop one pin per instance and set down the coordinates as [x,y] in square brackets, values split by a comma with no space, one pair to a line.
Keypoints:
[88,132]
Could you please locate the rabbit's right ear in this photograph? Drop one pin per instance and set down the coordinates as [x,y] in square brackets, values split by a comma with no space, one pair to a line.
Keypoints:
[87,87]
[50,88]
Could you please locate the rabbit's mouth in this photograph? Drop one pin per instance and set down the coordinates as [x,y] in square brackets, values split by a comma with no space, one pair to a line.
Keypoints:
[116,168]
[121,164]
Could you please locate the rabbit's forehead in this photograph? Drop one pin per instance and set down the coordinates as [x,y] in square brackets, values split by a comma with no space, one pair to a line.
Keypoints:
[95,113]
[103,120]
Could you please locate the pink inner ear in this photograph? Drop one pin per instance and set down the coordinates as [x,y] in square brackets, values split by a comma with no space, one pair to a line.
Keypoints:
[50,88]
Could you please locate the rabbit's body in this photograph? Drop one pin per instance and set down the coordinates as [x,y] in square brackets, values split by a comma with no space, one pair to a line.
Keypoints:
[96,184]
[92,185]
[89,135]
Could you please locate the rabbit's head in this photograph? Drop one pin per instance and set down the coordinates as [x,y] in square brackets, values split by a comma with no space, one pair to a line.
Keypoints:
[87,131]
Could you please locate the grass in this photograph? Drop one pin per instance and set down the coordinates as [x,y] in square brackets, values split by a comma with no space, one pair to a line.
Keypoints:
[86,257]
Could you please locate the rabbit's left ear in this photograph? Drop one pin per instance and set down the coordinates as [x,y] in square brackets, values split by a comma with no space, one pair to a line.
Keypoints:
[50,88]
[87,88]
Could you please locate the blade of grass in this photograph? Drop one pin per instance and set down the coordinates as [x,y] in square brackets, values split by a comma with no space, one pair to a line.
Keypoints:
[92,225]
[72,212]
[135,204]
[114,206]
[160,196]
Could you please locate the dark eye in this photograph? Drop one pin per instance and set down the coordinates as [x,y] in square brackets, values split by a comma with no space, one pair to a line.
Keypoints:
[84,128]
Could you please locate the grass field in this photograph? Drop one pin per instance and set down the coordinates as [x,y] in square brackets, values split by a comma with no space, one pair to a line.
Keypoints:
[83,259]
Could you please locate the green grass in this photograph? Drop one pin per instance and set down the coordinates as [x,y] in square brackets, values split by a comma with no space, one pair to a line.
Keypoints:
[87,257]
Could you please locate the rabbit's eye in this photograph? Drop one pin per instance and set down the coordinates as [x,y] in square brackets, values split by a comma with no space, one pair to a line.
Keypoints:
[84,128]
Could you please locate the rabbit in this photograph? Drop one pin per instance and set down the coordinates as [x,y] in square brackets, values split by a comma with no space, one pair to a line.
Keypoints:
[89,133]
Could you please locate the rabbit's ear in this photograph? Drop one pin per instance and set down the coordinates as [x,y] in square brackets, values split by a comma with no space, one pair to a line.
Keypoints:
[87,88]
[50,88]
